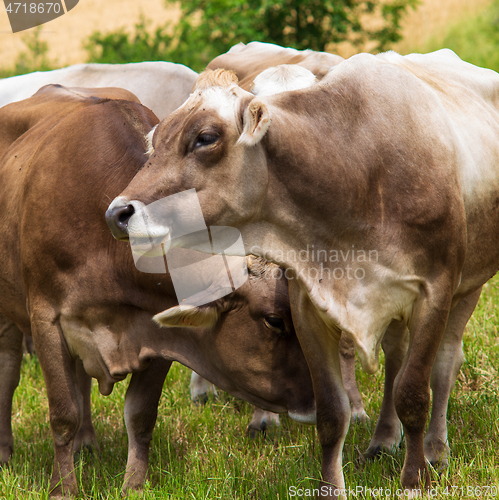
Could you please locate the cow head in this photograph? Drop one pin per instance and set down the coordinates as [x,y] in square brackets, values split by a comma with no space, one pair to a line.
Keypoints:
[204,145]
[246,343]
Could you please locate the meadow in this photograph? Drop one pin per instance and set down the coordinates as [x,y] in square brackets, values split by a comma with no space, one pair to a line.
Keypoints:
[203,452]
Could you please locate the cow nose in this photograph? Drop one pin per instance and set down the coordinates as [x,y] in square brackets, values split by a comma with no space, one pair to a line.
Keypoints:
[117,219]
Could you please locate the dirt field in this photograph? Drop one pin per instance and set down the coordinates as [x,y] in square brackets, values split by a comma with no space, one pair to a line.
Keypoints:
[65,34]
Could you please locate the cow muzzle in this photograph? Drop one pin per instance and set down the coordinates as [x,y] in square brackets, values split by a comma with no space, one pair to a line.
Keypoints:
[118,215]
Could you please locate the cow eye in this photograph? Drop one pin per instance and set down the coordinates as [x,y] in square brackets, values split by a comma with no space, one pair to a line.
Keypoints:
[205,140]
[274,322]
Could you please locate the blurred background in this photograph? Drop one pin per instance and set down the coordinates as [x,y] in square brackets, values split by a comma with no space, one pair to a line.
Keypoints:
[193,32]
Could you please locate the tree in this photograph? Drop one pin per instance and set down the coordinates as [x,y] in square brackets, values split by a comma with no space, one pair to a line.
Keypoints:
[208,28]
[211,27]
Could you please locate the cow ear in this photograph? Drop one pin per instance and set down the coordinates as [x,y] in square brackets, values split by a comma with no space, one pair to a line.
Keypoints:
[256,121]
[187,316]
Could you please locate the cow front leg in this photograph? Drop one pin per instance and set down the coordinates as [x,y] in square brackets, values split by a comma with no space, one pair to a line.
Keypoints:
[64,397]
[412,387]
[320,345]
[443,377]
[388,433]
[85,437]
[141,410]
[11,353]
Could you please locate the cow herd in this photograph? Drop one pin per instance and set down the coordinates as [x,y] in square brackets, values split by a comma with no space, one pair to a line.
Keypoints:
[365,192]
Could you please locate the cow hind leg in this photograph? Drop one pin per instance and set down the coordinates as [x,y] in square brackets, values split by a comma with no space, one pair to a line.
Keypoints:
[388,433]
[443,376]
[201,389]
[141,410]
[412,386]
[11,352]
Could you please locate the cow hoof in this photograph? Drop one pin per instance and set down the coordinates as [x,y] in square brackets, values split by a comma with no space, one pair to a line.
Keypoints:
[259,424]
[359,417]
[5,454]
[377,451]
[65,493]
[201,399]
[437,454]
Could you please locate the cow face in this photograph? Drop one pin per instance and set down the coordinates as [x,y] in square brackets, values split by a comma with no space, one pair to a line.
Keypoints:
[246,343]
[203,146]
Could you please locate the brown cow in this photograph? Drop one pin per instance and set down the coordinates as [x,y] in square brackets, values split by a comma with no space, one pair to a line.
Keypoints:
[376,187]
[69,283]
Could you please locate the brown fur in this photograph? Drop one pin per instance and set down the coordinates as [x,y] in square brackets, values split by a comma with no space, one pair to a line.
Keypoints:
[85,297]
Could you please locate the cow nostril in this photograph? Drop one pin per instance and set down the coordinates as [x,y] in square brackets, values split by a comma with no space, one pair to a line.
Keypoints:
[117,219]
[124,214]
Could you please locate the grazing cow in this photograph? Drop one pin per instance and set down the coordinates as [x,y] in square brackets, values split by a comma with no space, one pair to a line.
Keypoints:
[377,188]
[161,86]
[64,153]
[248,61]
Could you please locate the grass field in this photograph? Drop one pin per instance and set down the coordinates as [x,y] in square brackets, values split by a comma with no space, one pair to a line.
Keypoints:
[203,452]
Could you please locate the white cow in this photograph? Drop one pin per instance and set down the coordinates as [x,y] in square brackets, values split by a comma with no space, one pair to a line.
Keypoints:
[161,86]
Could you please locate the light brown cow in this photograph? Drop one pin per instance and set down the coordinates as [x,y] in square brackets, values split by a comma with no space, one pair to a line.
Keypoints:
[68,282]
[249,60]
[377,188]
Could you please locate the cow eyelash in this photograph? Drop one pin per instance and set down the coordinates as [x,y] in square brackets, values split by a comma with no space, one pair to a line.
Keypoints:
[274,322]
[205,140]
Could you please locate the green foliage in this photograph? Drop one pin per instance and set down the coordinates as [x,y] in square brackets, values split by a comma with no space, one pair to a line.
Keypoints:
[208,28]
[121,47]
[34,59]
[211,27]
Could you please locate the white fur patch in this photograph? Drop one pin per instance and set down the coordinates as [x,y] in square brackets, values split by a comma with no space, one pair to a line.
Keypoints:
[282,78]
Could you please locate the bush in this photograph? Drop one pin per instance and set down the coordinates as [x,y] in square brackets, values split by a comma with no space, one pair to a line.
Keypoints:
[210,27]
[34,59]
[122,47]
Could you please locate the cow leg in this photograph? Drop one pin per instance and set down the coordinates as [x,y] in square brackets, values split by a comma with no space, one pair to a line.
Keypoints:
[412,386]
[200,389]
[141,410]
[320,346]
[443,376]
[347,360]
[64,396]
[11,353]
[388,432]
[86,436]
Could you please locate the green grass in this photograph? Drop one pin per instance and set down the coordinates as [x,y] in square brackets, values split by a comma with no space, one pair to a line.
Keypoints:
[204,453]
